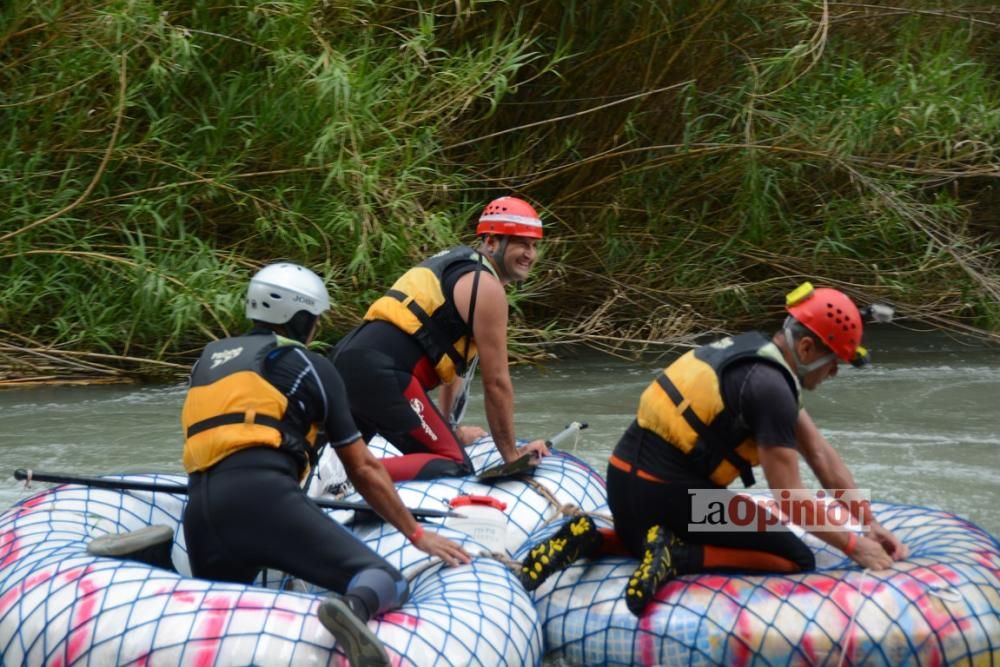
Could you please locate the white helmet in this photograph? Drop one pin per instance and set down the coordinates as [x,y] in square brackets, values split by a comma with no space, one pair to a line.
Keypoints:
[278,291]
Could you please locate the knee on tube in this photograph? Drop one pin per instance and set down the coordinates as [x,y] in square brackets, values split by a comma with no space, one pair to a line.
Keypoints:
[379,589]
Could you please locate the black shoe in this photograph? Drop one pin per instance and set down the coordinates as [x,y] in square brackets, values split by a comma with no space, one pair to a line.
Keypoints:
[658,566]
[360,645]
[576,538]
[150,545]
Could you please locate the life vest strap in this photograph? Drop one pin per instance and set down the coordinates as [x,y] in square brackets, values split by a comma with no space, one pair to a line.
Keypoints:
[701,453]
[234,418]
[629,468]
[429,334]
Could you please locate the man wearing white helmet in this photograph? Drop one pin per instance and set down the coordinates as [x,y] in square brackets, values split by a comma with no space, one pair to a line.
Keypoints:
[427,331]
[251,417]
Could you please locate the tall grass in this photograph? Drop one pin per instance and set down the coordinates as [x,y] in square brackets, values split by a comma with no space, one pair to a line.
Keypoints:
[693,160]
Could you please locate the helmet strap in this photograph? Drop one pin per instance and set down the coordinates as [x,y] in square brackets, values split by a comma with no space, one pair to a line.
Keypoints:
[801,368]
[497,256]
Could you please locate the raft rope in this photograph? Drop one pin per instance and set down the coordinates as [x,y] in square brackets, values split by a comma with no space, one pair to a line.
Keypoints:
[420,568]
[945,593]
[563,509]
[503,558]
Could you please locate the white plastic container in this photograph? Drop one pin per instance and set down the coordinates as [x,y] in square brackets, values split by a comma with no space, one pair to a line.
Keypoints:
[484,520]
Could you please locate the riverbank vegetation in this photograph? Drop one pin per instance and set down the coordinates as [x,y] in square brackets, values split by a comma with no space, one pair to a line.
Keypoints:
[693,161]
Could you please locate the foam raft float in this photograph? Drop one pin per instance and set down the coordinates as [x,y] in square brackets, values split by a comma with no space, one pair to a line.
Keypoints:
[939,607]
[59,606]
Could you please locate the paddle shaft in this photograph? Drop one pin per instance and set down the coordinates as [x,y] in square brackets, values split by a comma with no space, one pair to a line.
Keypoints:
[126,485]
[570,431]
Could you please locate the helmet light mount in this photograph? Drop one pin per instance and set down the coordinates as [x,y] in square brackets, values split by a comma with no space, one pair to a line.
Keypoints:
[835,319]
[881,313]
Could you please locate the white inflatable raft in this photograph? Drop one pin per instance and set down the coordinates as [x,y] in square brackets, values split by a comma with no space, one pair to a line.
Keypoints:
[560,485]
[60,606]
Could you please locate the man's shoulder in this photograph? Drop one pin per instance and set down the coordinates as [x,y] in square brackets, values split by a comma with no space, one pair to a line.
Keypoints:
[299,356]
[761,377]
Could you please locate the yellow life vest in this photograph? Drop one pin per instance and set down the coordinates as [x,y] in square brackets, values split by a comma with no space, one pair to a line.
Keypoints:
[683,404]
[231,406]
[416,304]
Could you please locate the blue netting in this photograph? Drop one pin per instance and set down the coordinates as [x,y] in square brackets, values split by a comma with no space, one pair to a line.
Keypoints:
[560,480]
[940,606]
[59,606]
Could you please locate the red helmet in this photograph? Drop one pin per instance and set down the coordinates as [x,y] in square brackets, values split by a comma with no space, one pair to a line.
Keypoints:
[510,216]
[831,315]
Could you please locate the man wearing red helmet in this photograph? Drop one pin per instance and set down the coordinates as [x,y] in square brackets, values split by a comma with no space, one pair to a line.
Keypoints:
[708,418]
[428,330]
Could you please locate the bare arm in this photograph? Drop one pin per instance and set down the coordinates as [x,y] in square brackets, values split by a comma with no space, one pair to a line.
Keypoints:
[832,473]
[781,467]
[448,394]
[822,458]
[373,482]
[490,333]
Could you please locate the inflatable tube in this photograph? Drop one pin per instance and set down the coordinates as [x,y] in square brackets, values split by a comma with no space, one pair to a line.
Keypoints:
[559,485]
[939,607]
[60,606]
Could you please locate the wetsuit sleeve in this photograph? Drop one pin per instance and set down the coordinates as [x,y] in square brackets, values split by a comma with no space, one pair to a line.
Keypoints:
[339,424]
[768,406]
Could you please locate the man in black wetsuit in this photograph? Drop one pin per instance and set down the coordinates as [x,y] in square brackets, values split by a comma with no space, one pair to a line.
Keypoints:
[251,417]
[707,419]
[426,331]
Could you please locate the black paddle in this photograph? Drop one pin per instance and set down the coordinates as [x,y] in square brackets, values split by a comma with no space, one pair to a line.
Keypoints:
[523,463]
[126,485]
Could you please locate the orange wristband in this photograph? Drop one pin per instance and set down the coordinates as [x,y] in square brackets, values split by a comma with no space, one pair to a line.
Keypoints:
[852,542]
[417,534]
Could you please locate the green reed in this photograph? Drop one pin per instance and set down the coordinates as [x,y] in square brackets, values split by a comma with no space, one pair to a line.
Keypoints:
[692,160]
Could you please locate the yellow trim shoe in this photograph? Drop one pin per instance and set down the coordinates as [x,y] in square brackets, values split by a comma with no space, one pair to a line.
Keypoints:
[577,538]
[656,568]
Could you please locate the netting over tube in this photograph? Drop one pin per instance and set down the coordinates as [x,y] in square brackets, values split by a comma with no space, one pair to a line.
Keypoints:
[939,607]
[60,607]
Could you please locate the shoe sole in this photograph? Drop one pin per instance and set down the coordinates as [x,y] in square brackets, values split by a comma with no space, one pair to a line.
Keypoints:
[116,546]
[652,573]
[558,552]
[359,643]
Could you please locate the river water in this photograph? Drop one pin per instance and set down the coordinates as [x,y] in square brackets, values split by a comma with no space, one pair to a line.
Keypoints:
[919,426]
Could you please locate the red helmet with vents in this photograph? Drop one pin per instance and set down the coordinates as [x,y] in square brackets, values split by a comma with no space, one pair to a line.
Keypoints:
[832,316]
[510,216]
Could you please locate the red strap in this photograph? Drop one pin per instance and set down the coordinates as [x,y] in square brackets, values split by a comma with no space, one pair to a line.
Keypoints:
[419,532]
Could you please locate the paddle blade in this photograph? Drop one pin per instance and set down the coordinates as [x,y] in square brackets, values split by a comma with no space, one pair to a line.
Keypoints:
[515,467]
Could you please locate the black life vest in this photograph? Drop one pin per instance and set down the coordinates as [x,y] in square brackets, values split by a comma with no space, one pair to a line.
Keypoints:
[416,304]
[683,404]
[230,405]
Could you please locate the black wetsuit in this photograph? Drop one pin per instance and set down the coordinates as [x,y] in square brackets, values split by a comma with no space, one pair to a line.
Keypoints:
[389,378]
[248,512]
[765,408]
